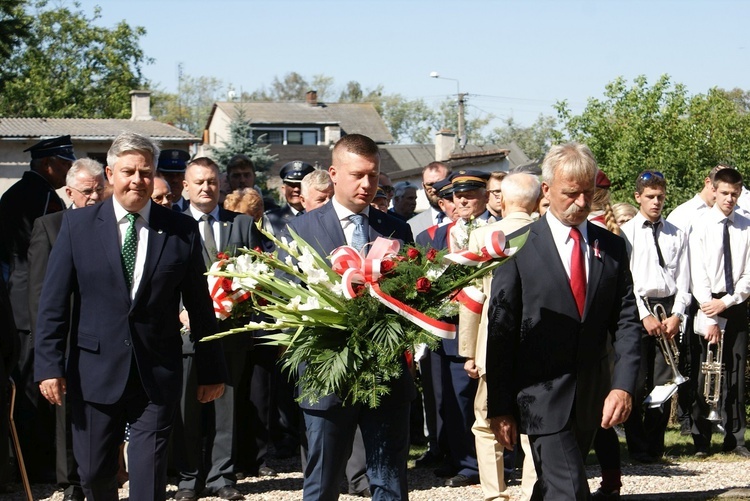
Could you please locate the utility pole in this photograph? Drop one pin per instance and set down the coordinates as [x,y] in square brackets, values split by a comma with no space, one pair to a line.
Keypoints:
[461,108]
[461,123]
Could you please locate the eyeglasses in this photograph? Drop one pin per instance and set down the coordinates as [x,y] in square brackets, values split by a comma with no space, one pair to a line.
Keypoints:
[650,174]
[162,197]
[88,193]
[497,193]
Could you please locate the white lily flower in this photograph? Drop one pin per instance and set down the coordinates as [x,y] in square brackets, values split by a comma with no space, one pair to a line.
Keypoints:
[312,303]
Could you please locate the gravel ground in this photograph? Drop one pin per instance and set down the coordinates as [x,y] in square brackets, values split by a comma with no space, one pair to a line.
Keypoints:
[720,475]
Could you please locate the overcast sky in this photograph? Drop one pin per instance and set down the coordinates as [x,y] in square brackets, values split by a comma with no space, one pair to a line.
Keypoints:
[514,58]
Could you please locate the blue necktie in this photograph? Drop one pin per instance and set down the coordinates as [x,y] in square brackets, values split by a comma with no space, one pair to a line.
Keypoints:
[440,217]
[360,236]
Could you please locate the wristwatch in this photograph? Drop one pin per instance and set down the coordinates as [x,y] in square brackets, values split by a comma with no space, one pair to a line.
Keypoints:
[680,316]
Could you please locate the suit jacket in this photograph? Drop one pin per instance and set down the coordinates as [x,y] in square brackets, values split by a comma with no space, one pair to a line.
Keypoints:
[542,358]
[235,231]
[279,218]
[43,237]
[472,336]
[28,199]
[114,331]
[321,229]
[421,221]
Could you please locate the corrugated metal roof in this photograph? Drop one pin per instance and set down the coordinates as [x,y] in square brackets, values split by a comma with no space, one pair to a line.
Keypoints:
[89,128]
[354,118]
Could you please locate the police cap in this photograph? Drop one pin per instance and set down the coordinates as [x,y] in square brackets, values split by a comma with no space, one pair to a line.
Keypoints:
[173,161]
[56,147]
[293,172]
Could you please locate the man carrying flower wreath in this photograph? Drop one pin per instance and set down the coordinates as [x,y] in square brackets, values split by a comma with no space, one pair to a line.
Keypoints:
[330,422]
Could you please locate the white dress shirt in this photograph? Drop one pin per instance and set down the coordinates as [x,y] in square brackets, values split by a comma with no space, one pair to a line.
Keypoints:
[564,244]
[707,257]
[650,279]
[684,214]
[141,226]
[197,215]
[343,215]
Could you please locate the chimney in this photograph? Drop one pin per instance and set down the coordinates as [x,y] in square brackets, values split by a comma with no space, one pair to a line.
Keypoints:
[312,97]
[445,142]
[140,105]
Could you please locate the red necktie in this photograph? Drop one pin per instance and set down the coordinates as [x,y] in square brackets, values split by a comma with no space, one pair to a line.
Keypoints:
[578,271]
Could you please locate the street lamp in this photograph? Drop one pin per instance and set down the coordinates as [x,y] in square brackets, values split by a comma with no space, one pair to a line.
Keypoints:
[461,101]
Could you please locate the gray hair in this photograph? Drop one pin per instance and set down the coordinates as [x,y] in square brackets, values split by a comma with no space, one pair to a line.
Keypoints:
[521,188]
[317,180]
[87,165]
[131,141]
[401,187]
[573,160]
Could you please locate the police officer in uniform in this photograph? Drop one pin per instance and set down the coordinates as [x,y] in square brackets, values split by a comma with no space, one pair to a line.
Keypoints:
[291,174]
[171,166]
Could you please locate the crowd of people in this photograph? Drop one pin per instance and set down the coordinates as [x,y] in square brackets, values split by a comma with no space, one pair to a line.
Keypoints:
[604,307]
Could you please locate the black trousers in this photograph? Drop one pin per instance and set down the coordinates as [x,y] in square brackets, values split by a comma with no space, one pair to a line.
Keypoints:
[732,401]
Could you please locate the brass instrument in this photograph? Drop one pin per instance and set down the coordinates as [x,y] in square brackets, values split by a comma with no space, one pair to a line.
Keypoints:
[668,347]
[671,353]
[712,369]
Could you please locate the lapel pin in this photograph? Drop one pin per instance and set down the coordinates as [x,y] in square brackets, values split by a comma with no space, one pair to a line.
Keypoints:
[160,232]
[596,250]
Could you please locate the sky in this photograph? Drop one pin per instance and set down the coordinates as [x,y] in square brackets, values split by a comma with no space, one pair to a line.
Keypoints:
[514,58]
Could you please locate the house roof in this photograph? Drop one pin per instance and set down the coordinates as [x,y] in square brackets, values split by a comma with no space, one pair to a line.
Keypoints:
[89,128]
[411,158]
[359,118]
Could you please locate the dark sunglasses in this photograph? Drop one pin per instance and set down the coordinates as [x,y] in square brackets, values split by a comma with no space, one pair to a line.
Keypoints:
[650,174]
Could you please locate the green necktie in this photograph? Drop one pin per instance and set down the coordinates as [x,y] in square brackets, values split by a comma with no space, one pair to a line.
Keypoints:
[128,249]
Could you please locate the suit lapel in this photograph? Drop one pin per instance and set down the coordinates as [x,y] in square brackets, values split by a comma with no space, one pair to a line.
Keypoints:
[596,266]
[331,225]
[544,243]
[157,237]
[110,239]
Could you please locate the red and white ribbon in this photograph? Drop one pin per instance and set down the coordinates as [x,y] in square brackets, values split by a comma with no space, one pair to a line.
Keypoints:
[223,297]
[494,248]
[357,269]
[472,298]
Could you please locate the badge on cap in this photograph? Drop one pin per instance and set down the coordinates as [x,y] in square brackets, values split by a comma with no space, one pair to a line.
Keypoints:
[293,172]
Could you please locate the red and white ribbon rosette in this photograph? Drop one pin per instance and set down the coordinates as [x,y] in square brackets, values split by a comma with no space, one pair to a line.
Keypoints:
[354,268]
[222,293]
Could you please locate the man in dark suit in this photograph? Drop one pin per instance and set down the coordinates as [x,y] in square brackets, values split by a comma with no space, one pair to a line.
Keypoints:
[554,308]
[31,197]
[85,187]
[128,262]
[291,174]
[348,218]
[221,231]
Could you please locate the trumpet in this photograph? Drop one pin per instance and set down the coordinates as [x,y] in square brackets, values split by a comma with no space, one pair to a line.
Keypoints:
[668,346]
[712,369]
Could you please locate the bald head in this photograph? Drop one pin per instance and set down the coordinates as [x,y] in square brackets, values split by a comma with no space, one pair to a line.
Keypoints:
[520,193]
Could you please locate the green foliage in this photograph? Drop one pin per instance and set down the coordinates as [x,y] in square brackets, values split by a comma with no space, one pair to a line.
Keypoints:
[241,142]
[660,127]
[534,140]
[14,26]
[189,108]
[69,67]
[293,87]
[446,117]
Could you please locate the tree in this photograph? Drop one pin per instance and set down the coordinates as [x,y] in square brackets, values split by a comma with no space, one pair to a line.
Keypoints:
[293,87]
[446,117]
[660,127]
[534,140]
[14,26]
[69,67]
[189,108]
[241,143]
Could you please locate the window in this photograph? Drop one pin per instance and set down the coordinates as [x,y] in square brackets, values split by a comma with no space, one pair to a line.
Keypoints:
[307,137]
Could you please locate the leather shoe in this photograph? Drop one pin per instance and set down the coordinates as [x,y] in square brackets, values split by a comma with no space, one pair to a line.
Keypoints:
[186,495]
[740,451]
[461,481]
[601,495]
[73,494]
[229,492]
[265,471]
